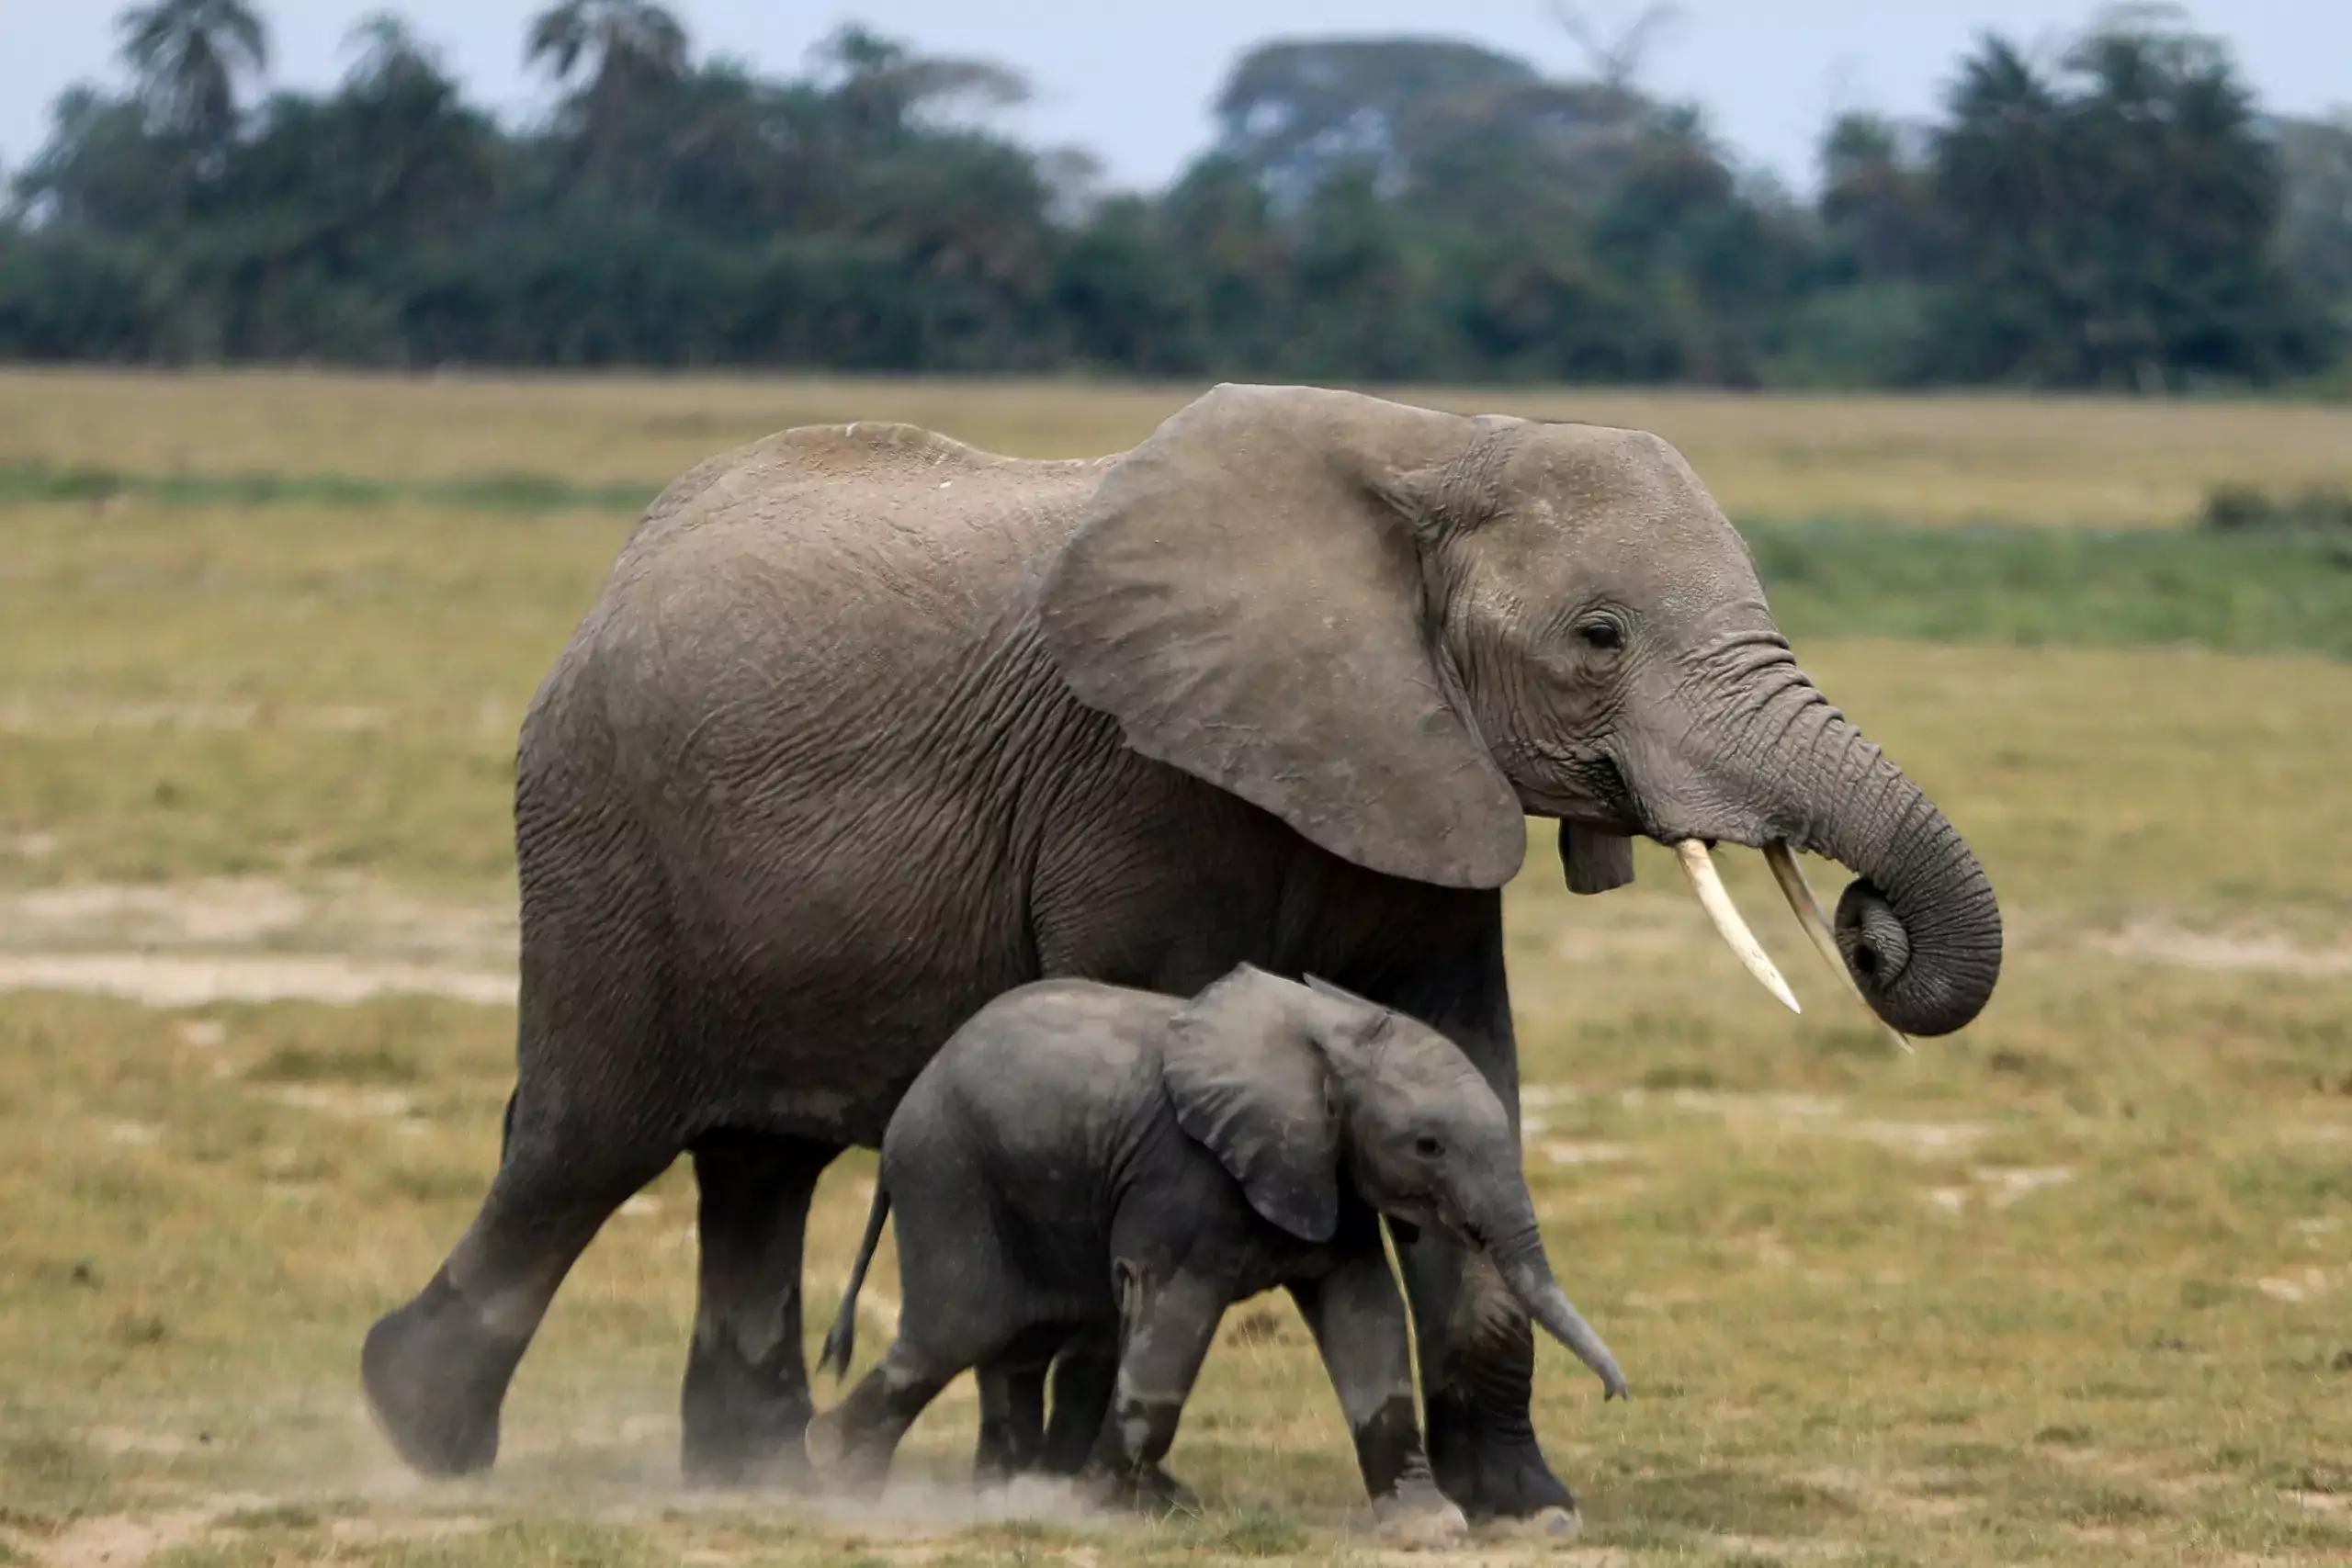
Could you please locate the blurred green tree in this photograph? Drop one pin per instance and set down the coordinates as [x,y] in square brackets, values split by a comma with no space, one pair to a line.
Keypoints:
[2315,229]
[189,55]
[2114,224]
[619,57]
[2115,215]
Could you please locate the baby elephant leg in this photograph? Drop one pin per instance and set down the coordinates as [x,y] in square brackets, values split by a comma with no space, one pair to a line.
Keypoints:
[1170,1329]
[864,1429]
[1084,1375]
[1357,1320]
[1012,1419]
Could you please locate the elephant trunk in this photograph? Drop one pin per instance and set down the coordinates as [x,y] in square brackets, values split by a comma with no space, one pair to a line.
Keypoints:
[1920,931]
[1918,934]
[1518,1255]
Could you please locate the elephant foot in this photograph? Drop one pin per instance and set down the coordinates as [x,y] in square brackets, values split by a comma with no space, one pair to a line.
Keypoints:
[435,1378]
[1160,1493]
[745,1425]
[995,1474]
[1149,1490]
[840,1463]
[1545,1524]
[1419,1520]
[1494,1470]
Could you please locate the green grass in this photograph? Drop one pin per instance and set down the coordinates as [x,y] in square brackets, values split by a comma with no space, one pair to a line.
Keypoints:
[302,691]
[2069,1288]
[1827,1347]
[35,481]
[2129,462]
[2035,587]
[2249,589]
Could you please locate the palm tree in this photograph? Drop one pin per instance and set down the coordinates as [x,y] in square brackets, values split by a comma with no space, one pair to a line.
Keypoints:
[880,84]
[619,50]
[427,161]
[189,55]
[388,51]
[1996,154]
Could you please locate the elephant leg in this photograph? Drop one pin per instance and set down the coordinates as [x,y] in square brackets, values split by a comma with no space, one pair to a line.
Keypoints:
[1477,1348]
[866,1426]
[1478,1375]
[436,1371]
[1357,1320]
[1167,1336]
[1012,1420]
[745,1403]
[1083,1376]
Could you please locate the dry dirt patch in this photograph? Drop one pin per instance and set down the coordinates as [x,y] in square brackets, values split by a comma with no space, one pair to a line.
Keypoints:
[167,981]
[1648,923]
[70,719]
[253,939]
[116,1541]
[346,939]
[2156,939]
[1820,1115]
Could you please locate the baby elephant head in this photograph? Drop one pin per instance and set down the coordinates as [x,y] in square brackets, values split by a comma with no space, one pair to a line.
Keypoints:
[1294,1085]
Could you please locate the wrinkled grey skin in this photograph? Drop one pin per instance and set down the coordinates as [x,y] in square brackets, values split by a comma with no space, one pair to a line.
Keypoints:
[868,727]
[1086,1161]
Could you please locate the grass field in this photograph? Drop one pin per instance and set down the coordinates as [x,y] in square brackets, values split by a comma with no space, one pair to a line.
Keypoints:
[2073,1287]
[1943,460]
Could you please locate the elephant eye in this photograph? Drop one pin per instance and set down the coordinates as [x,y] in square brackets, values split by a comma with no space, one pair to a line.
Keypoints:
[1603,633]
[1428,1146]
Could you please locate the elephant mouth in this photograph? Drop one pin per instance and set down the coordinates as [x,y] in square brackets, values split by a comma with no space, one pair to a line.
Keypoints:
[1916,937]
[1410,1215]
[1870,945]
[1867,940]
[1873,935]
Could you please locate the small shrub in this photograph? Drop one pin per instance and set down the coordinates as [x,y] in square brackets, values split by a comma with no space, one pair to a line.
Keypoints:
[303,1064]
[2248,509]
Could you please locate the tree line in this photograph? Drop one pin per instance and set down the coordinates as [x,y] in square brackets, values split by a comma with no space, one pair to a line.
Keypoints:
[2121,215]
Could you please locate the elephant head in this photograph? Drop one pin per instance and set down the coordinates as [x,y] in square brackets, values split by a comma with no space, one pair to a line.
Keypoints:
[1292,1087]
[1402,631]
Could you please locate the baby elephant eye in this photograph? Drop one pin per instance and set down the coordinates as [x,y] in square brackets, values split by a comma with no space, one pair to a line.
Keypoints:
[1602,633]
[1427,1147]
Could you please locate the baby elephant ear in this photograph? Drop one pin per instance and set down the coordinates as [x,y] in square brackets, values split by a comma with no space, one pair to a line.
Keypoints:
[1247,1081]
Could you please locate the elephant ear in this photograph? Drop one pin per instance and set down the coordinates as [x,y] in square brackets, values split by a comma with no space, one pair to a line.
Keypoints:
[1242,1070]
[1243,593]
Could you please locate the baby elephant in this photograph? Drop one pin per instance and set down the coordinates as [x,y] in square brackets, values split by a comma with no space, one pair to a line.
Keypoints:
[1084,1165]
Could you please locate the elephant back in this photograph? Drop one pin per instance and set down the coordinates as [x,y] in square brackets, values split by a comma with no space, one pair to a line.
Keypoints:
[803,476]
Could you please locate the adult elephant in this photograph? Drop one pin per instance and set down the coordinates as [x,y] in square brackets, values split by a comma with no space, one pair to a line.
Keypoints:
[868,727]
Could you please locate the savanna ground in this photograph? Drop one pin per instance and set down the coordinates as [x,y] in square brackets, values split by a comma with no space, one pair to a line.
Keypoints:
[2073,1287]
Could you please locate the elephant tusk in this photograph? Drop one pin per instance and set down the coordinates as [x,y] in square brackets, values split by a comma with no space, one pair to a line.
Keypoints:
[1816,922]
[1715,899]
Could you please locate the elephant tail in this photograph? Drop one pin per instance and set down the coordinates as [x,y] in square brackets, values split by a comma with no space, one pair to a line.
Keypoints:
[841,1339]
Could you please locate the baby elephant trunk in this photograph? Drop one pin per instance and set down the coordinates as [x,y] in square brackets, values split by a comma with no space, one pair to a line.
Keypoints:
[1519,1257]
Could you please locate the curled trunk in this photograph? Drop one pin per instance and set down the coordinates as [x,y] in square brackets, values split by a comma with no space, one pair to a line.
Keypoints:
[1918,930]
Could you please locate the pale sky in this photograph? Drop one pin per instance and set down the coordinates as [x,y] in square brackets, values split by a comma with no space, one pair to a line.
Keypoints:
[1132,80]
